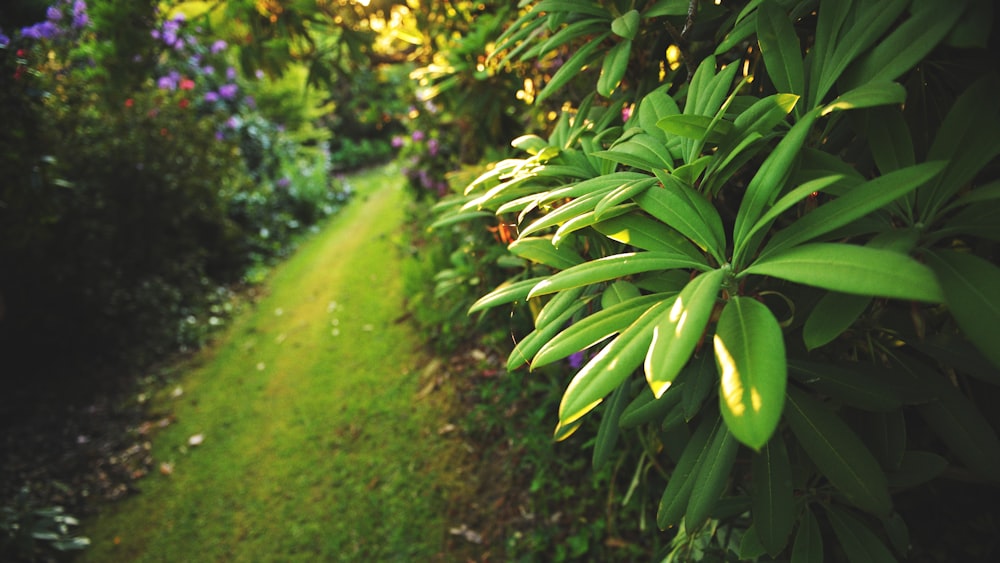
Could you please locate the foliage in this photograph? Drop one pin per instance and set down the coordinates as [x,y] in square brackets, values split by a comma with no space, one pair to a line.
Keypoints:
[122,216]
[25,530]
[776,214]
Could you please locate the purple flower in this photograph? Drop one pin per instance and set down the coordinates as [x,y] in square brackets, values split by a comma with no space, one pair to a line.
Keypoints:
[53,14]
[228,91]
[396,142]
[250,102]
[44,30]
[233,122]
[166,83]
[626,113]
[417,135]
[79,7]
[433,146]
[208,69]
[218,46]
[211,97]
[219,136]
[230,73]
[259,74]
[284,182]
[576,360]
[4,40]
[80,21]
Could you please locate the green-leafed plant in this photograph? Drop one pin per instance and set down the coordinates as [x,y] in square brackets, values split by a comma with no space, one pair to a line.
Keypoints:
[791,238]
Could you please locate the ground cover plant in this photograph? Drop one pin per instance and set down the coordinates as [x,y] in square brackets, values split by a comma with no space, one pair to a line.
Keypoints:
[767,228]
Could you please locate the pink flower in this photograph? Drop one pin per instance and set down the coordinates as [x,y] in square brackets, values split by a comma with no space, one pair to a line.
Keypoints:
[187,84]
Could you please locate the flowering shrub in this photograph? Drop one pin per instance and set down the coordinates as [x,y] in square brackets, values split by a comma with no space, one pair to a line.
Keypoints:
[121,216]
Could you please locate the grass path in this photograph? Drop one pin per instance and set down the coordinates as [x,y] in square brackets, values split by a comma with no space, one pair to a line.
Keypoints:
[316,445]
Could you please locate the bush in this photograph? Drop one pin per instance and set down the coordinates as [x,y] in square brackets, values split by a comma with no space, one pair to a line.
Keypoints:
[770,241]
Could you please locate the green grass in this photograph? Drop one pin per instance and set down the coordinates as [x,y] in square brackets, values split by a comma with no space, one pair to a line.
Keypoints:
[316,446]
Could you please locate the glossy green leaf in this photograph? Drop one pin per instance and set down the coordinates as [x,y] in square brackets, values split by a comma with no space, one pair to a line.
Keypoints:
[654,107]
[683,209]
[507,292]
[780,48]
[557,305]
[750,354]
[452,218]
[648,409]
[855,388]
[614,66]
[530,344]
[594,328]
[571,6]
[588,219]
[773,504]
[679,330]
[564,212]
[970,285]
[626,25]
[667,8]
[622,194]
[751,548]
[642,151]
[701,380]
[541,250]
[871,94]
[617,293]
[769,181]
[808,546]
[764,114]
[853,269]
[712,477]
[856,538]
[838,453]
[855,204]
[607,433]
[832,315]
[571,68]
[643,232]
[610,366]
[695,127]
[610,268]
[677,494]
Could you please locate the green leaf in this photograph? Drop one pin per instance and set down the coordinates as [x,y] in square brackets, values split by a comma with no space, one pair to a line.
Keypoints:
[855,204]
[507,292]
[854,388]
[612,267]
[609,367]
[530,344]
[808,546]
[907,45]
[773,505]
[564,212]
[654,107]
[642,151]
[853,269]
[571,68]
[838,453]
[557,305]
[648,409]
[572,7]
[970,285]
[541,250]
[622,194]
[764,114]
[769,181]
[750,355]
[856,538]
[667,8]
[685,210]
[832,315]
[780,48]
[679,331]
[453,218]
[594,328]
[701,380]
[646,233]
[626,25]
[695,127]
[607,433]
[711,478]
[871,94]
[917,468]
[613,68]
[674,502]
[617,293]
[890,140]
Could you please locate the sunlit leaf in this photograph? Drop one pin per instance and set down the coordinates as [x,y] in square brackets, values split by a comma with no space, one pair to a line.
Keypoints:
[612,267]
[507,292]
[610,366]
[614,66]
[750,354]
[868,95]
[858,270]
[542,251]
[626,25]
[680,329]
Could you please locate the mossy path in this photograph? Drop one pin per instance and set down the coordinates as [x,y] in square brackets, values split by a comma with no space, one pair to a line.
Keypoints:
[316,444]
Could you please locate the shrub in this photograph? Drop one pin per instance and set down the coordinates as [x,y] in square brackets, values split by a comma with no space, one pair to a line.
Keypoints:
[781,223]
